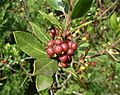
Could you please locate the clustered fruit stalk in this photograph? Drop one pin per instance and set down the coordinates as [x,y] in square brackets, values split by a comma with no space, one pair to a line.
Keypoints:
[61,47]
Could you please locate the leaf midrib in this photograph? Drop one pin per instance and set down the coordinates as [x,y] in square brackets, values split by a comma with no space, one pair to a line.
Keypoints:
[46,65]
[40,32]
[29,44]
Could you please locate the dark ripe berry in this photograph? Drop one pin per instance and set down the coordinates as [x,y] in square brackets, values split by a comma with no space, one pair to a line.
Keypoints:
[63,58]
[53,31]
[70,44]
[69,59]
[58,49]
[65,46]
[51,43]
[58,41]
[74,46]
[70,52]
[50,52]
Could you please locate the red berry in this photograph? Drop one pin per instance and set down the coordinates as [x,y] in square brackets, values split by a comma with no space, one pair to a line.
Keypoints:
[69,59]
[63,58]
[50,52]
[51,43]
[58,41]
[70,44]
[65,46]
[70,52]
[53,31]
[58,49]
[74,46]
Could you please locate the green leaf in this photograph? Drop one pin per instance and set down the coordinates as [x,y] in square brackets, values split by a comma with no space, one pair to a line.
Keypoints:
[45,66]
[40,33]
[56,4]
[80,8]
[113,21]
[29,44]
[51,18]
[43,82]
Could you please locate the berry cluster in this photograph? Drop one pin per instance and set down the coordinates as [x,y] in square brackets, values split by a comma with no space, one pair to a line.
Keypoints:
[62,50]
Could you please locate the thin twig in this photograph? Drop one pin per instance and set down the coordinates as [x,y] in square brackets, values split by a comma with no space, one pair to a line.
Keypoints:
[103,51]
[113,4]
[65,81]
[112,55]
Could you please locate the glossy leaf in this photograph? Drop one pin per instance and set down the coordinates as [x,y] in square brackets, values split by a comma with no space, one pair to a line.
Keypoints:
[80,8]
[43,82]
[51,18]
[29,44]
[56,4]
[45,66]
[40,33]
[113,21]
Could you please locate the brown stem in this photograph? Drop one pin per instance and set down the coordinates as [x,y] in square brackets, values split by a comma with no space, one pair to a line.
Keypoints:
[104,51]
[107,9]
[68,17]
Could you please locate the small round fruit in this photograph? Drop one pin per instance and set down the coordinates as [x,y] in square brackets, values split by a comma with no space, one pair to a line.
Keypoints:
[65,46]
[58,41]
[69,59]
[70,52]
[53,31]
[50,52]
[50,43]
[74,46]
[58,49]
[63,58]
[70,44]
